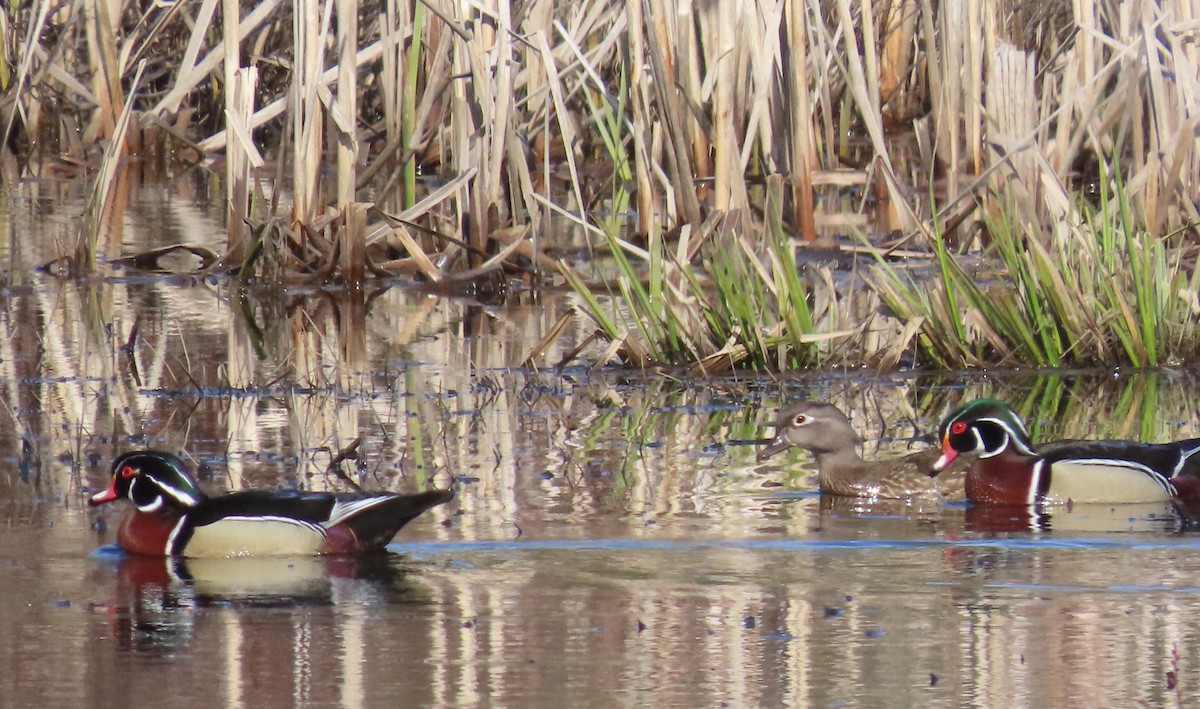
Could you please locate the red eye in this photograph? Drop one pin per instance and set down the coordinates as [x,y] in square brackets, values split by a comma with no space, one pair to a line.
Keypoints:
[799,420]
[958,428]
[128,472]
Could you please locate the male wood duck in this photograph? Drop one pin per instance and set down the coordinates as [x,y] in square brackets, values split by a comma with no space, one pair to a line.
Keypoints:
[173,517]
[1011,470]
[826,432]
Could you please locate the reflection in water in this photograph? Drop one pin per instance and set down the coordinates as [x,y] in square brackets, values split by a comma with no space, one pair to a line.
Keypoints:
[155,599]
[607,545]
[255,615]
[1141,517]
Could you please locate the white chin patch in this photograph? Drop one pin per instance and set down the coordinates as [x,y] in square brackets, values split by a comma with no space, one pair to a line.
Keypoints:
[153,506]
[982,449]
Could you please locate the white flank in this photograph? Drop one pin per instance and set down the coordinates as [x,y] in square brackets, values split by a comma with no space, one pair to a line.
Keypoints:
[254,536]
[1103,480]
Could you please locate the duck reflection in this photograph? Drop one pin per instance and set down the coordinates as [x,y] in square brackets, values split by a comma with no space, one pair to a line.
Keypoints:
[158,601]
[1098,518]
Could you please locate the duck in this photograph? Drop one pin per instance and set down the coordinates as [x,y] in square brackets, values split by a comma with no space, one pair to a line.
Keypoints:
[1010,470]
[825,431]
[173,517]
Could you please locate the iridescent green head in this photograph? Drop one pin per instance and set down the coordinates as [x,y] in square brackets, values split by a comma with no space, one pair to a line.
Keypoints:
[986,427]
[150,479]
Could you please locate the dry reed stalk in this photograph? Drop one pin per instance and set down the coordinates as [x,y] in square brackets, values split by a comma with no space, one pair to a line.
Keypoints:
[690,52]
[391,77]
[866,98]
[949,99]
[672,111]
[107,197]
[189,80]
[461,139]
[639,91]
[500,117]
[307,118]
[803,145]
[566,122]
[352,250]
[1158,124]
[452,188]
[30,45]
[1174,97]
[272,110]
[763,53]
[239,106]
[241,156]
[870,58]
[351,234]
[106,69]
[231,18]
[423,262]
[1011,102]
[899,35]
[200,29]
[1183,158]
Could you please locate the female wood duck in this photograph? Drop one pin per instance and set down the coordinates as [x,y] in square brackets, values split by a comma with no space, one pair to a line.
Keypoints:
[1010,470]
[173,517]
[826,432]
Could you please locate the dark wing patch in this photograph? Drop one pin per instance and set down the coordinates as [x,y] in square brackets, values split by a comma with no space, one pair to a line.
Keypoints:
[1160,457]
[376,526]
[313,507]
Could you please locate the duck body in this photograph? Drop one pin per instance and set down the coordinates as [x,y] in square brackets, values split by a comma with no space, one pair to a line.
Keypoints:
[1010,470]
[172,517]
[826,432]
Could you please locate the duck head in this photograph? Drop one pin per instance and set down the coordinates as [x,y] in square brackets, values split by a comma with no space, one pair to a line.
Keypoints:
[815,426]
[986,427]
[151,480]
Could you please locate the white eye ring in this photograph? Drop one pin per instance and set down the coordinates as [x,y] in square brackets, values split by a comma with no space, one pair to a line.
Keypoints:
[799,420]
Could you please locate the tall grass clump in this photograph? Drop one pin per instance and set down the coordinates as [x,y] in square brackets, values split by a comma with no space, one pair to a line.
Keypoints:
[750,305]
[1096,290]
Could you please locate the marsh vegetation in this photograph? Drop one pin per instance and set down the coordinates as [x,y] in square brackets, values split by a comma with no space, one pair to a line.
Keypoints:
[1010,182]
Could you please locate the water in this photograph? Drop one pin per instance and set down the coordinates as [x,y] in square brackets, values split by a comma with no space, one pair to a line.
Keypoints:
[611,544]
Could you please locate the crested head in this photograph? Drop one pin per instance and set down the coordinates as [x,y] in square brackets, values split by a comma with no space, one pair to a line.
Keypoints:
[816,426]
[987,427]
[151,480]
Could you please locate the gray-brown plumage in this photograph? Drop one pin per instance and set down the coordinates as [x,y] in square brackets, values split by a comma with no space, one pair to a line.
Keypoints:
[826,432]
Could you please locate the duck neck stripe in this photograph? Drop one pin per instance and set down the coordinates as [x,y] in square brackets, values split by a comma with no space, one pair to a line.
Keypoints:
[177,539]
[1039,482]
